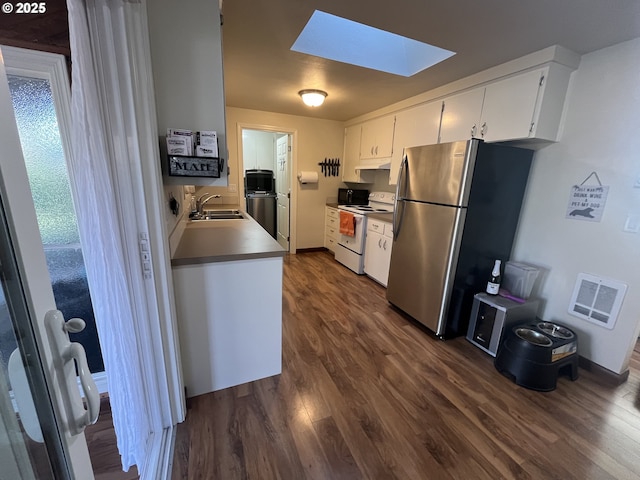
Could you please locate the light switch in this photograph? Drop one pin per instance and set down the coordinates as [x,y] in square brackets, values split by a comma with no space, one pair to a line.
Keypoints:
[632,225]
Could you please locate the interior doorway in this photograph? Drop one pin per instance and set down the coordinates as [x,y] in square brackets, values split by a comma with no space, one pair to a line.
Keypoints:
[271,148]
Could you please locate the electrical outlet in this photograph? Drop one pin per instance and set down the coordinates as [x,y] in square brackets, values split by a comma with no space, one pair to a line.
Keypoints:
[233,188]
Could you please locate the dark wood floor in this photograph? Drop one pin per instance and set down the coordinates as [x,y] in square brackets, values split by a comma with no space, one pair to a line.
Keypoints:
[103,448]
[365,393]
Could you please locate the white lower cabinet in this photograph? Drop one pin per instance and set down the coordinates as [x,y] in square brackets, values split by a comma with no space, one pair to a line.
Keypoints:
[377,252]
[331,228]
[230,322]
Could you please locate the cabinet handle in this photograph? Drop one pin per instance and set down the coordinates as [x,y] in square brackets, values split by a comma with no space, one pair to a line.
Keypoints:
[483,130]
[384,245]
[371,150]
[380,242]
[376,150]
[473,131]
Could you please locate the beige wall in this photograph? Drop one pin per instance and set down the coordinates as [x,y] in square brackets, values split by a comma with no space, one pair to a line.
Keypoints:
[600,134]
[314,140]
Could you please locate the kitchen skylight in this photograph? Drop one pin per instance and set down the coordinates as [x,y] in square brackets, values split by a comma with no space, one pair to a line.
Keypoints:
[346,41]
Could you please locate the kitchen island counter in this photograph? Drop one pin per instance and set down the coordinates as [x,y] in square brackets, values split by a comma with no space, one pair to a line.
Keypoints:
[227,278]
[224,240]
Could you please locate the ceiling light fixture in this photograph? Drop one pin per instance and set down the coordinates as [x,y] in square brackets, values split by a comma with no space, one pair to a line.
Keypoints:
[313,98]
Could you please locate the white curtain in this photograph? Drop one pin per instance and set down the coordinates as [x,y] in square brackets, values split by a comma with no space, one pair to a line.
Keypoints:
[110,136]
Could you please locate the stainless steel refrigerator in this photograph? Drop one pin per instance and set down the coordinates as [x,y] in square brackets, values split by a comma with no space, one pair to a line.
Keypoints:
[457,210]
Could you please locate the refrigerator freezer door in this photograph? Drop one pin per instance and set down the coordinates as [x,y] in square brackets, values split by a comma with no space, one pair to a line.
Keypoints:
[423,258]
[439,173]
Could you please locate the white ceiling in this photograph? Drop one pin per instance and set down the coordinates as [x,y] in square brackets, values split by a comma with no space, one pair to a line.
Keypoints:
[261,72]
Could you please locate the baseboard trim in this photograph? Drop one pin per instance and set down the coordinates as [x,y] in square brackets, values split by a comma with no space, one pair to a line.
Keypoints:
[604,375]
[312,250]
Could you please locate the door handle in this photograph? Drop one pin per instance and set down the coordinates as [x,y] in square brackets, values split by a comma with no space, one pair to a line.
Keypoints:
[399,202]
[68,356]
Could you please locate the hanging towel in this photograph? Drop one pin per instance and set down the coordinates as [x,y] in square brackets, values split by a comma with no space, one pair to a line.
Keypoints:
[347,224]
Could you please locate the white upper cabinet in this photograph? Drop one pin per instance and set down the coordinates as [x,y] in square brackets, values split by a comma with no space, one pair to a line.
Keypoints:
[509,107]
[259,150]
[414,127]
[552,92]
[377,138]
[352,137]
[525,106]
[461,116]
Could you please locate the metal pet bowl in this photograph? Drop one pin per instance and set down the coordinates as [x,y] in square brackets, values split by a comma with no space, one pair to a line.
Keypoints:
[555,330]
[533,337]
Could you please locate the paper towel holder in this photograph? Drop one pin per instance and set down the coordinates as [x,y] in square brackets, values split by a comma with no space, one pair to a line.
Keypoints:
[307,177]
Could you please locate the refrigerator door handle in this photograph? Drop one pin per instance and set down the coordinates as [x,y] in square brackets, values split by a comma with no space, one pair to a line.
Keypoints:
[397,209]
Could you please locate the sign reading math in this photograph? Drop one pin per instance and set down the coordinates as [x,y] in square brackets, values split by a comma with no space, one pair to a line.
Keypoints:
[180,166]
[586,202]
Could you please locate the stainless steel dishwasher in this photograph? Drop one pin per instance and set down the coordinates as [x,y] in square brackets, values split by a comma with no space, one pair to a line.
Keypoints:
[262,207]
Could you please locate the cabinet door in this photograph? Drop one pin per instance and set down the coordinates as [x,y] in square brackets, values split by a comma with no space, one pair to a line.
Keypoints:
[509,107]
[352,136]
[414,127]
[377,256]
[331,228]
[377,138]
[461,116]
[372,254]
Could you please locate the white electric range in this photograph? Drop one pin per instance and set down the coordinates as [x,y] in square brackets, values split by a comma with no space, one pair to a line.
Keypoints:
[350,248]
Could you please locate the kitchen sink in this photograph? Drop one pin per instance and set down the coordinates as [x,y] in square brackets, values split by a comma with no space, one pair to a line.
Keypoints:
[209,215]
[222,211]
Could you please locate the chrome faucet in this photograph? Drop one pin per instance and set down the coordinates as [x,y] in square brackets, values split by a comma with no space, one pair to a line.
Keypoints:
[201,203]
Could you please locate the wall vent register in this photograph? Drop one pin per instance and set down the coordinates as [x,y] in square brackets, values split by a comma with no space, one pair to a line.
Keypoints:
[597,299]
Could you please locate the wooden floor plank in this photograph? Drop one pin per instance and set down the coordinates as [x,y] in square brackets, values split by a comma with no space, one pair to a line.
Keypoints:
[367,393]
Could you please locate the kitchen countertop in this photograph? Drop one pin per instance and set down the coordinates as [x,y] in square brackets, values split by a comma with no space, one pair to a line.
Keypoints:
[224,241]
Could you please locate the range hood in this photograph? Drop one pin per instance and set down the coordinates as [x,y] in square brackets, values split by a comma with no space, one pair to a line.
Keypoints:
[374,166]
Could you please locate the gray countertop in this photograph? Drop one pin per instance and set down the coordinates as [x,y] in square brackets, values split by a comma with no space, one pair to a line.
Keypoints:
[224,241]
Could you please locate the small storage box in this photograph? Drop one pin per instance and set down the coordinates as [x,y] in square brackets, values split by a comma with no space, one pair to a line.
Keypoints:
[519,279]
[492,315]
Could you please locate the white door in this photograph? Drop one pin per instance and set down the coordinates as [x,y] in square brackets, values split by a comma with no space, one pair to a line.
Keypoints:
[283,188]
[47,402]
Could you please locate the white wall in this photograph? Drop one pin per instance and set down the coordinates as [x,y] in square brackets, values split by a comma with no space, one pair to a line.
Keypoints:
[316,139]
[600,134]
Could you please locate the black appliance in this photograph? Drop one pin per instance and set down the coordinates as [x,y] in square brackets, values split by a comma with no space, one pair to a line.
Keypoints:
[261,198]
[257,180]
[353,196]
